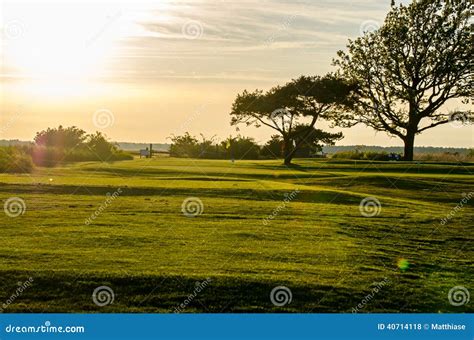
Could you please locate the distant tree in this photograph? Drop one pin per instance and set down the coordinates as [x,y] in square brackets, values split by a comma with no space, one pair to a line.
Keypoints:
[408,69]
[60,137]
[282,108]
[184,146]
[273,148]
[99,144]
[206,148]
[241,147]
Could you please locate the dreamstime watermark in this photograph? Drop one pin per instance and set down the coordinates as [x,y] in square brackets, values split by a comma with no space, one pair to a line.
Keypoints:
[103,296]
[103,119]
[109,22]
[192,29]
[279,113]
[192,207]
[458,296]
[110,198]
[458,207]
[199,287]
[190,120]
[370,207]
[371,295]
[285,25]
[13,29]
[22,287]
[369,26]
[459,119]
[281,296]
[47,328]
[5,127]
[14,207]
[288,198]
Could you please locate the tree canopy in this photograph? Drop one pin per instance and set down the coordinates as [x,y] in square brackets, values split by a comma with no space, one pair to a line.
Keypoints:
[299,103]
[407,70]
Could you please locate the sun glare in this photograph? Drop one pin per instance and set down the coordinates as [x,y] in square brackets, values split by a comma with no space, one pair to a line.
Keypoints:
[55,43]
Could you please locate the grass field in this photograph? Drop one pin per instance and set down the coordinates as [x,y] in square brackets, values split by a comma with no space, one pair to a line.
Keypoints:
[317,243]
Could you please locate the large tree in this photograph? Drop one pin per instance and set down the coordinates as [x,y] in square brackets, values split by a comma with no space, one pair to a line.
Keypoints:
[407,71]
[286,108]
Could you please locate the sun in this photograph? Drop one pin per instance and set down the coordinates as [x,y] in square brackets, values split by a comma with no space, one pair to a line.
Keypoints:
[59,42]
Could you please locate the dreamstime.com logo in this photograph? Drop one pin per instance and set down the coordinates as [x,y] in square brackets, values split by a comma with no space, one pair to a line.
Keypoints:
[103,119]
[192,207]
[371,295]
[13,29]
[199,287]
[22,286]
[192,29]
[288,198]
[458,296]
[370,207]
[279,113]
[467,197]
[47,328]
[459,119]
[281,296]
[110,198]
[369,26]
[285,25]
[103,296]
[8,125]
[14,207]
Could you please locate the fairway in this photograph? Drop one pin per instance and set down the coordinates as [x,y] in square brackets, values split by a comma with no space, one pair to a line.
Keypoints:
[261,225]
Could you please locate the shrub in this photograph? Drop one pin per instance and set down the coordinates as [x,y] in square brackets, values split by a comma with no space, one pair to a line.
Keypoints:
[362,155]
[53,156]
[184,146]
[241,148]
[451,157]
[15,160]
[58,145]
[237,148]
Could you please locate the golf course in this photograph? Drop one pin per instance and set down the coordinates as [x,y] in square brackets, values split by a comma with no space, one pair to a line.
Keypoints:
[152,230]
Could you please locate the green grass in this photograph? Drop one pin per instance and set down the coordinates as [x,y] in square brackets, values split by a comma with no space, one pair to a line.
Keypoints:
[319,245]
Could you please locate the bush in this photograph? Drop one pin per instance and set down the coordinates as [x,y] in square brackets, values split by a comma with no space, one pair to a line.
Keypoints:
[184,146]
[15,160]
[53,156]
[360,155]
[273,148]
[58,145]
[241,148]
[451,157]
[236,148]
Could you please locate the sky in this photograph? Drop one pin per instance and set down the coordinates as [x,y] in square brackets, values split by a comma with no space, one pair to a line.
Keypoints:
[141,71]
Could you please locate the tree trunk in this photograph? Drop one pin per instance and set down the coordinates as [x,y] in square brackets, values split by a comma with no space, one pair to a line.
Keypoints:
[287,151]
[409,145]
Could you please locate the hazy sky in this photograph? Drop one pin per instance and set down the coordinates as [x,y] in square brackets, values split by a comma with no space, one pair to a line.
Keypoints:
[141,71]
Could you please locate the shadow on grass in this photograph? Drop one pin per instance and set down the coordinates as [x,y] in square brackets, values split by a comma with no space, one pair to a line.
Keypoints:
[56,292]
[323,196]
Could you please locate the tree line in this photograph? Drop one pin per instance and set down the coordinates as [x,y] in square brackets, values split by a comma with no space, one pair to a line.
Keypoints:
[241,147]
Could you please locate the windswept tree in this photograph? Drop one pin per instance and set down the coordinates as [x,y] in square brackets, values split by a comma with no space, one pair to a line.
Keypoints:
[407,71]
[300,102]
